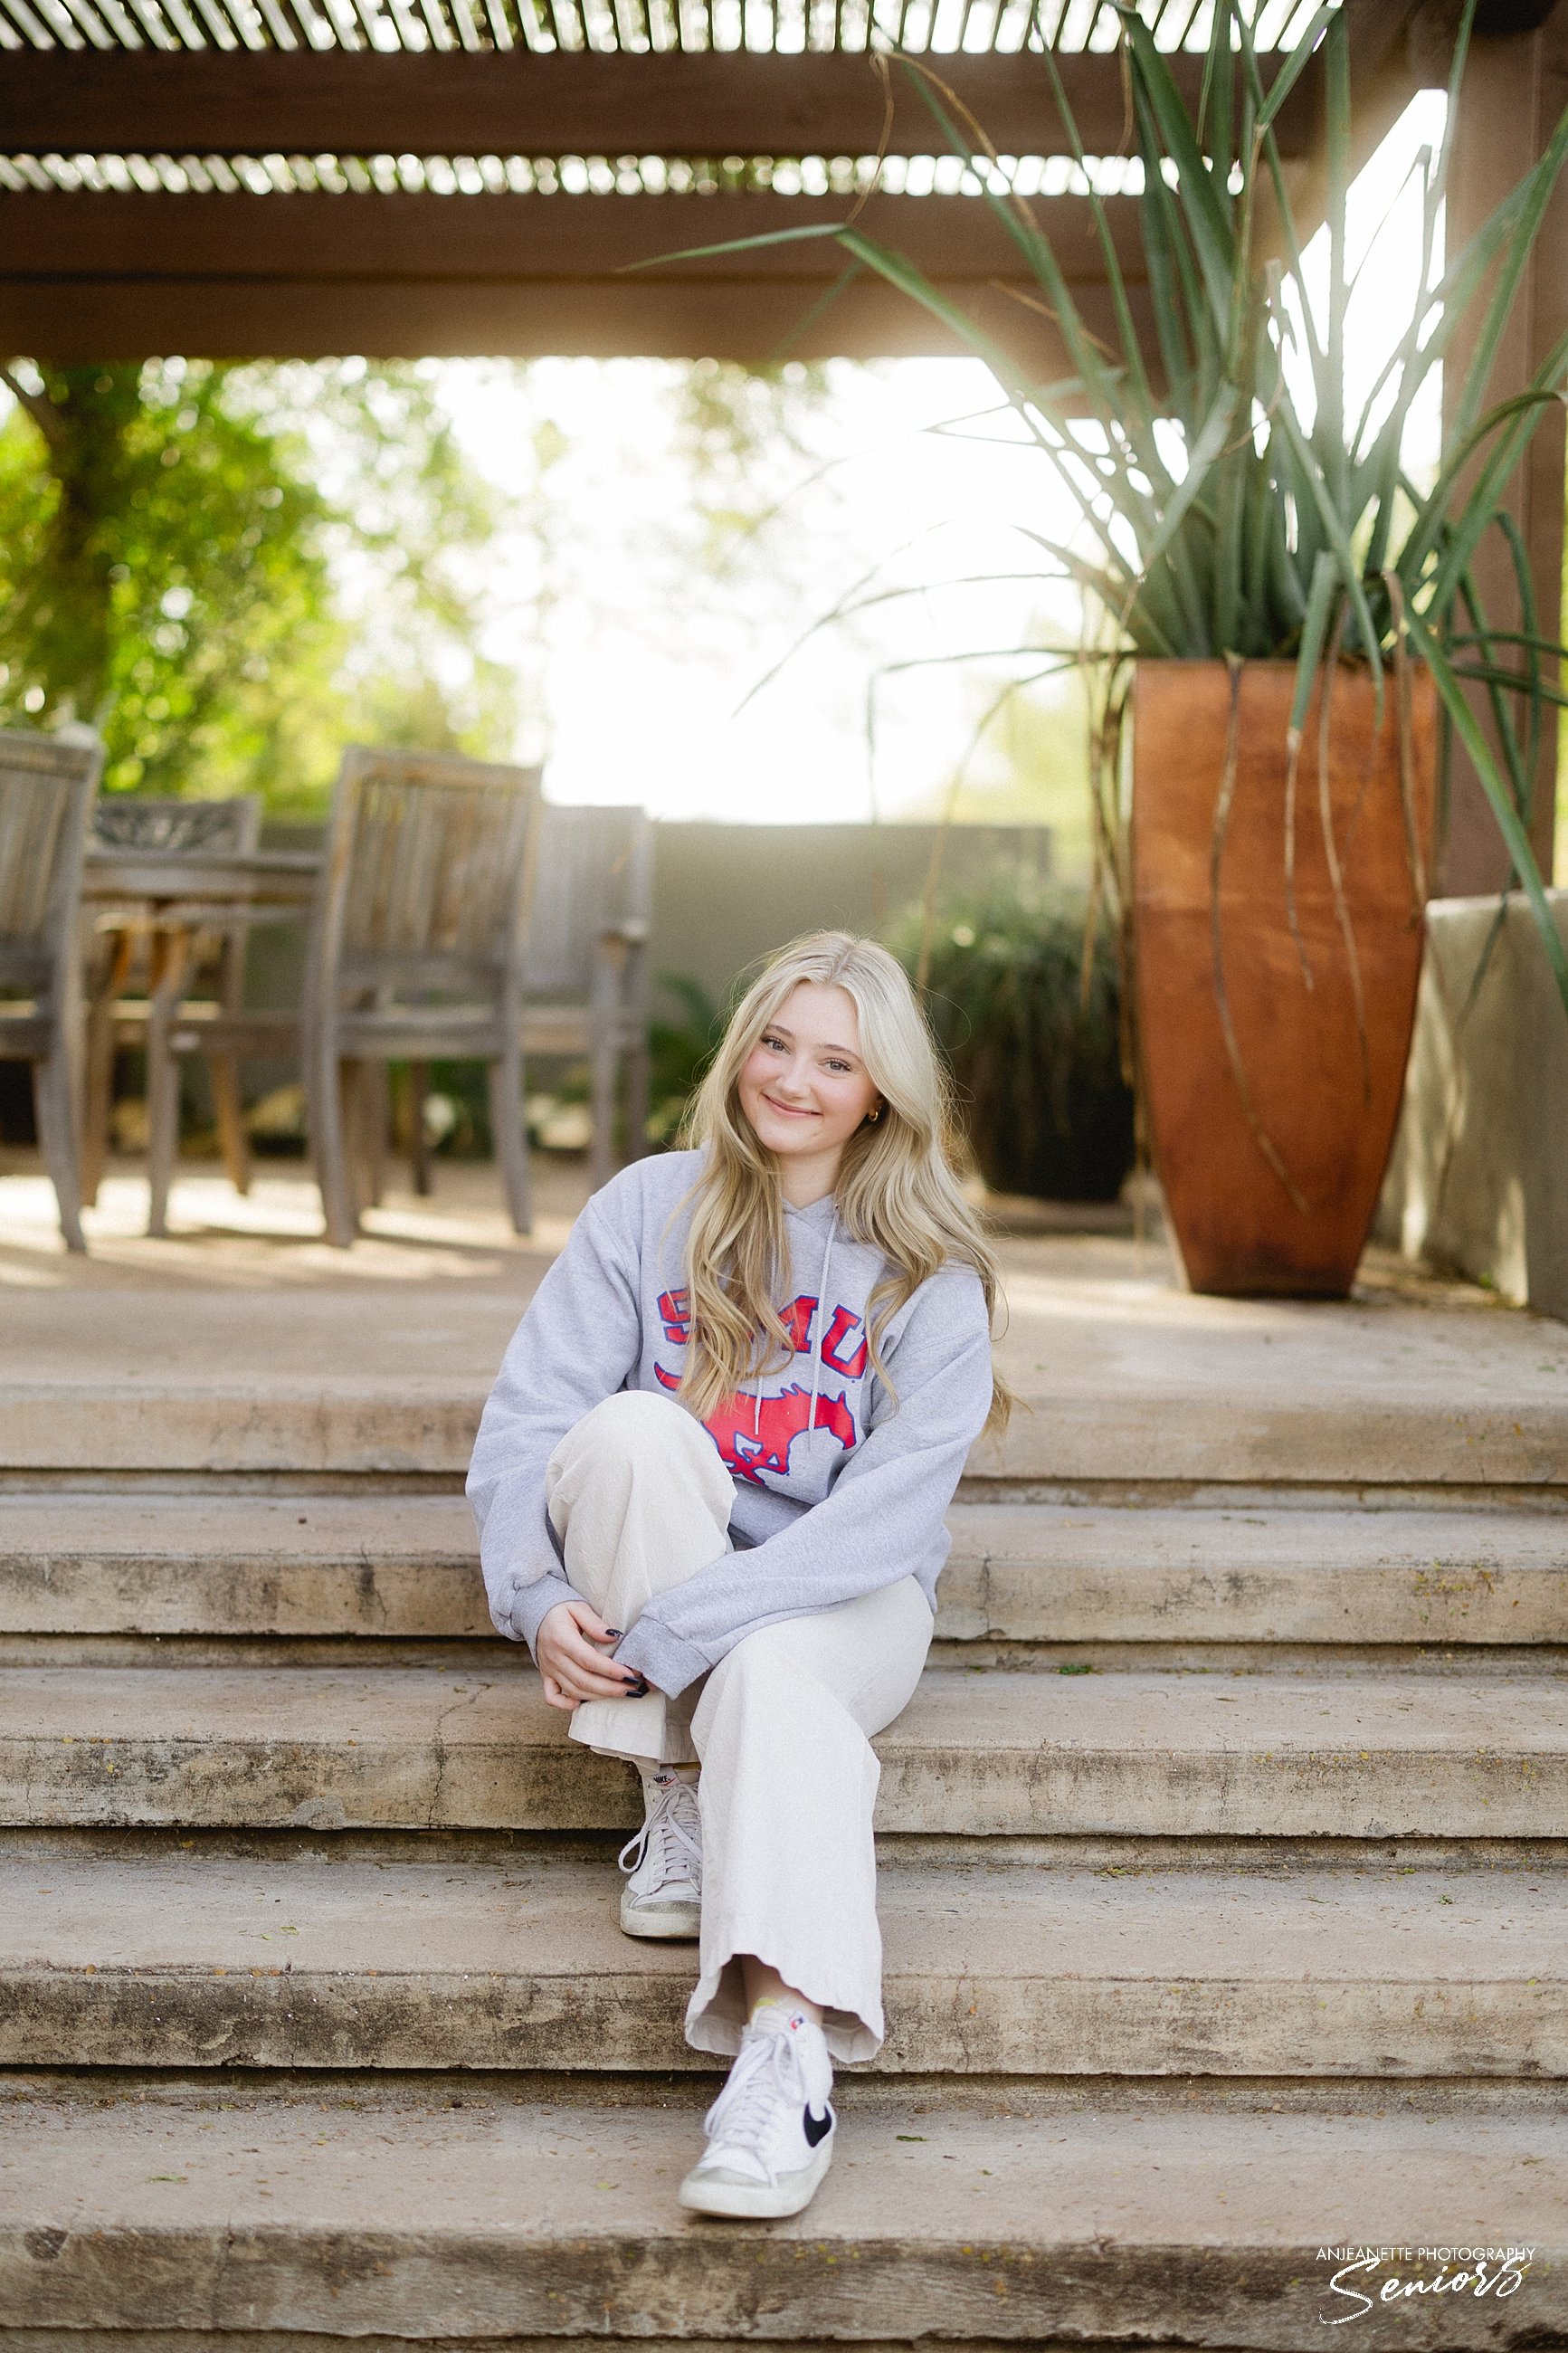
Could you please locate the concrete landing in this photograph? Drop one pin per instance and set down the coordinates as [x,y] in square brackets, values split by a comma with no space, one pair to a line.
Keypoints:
[337,1361]
[169,2208]
[975,1753]
[365,1960]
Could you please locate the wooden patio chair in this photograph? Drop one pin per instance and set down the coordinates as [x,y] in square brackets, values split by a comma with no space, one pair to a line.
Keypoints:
[129,960]
[585,981]
[47,786]
[586,976]
[417,954]
[429,941]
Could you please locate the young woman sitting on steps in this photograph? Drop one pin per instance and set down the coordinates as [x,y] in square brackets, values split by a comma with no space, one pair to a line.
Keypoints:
[711,1484]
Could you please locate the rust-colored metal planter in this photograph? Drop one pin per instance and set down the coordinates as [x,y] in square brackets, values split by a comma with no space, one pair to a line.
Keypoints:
[1271,1155]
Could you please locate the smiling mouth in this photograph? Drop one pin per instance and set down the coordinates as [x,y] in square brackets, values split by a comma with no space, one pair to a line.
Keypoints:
[788,1110]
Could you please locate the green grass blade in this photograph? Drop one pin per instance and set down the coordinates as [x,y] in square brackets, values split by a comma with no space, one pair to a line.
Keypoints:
[1328,427]
[1291,72]
[735,245]
[1339,543]
[1462,719]
[1166,292]
[1209,215]
[1105,388]
[1314,630]
[1519,779]
[1525,588]
[1488,674]
[1126,332]
[1466,529]
[1200,459]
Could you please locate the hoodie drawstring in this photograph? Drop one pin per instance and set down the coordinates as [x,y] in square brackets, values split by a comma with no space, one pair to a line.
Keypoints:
[821,1312]
[816,1346]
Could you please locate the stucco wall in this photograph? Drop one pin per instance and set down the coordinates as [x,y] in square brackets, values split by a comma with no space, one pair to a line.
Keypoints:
[1478,1179]
[725,894]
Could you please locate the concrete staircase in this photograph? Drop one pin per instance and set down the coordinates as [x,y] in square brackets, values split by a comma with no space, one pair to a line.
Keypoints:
[1224,1896]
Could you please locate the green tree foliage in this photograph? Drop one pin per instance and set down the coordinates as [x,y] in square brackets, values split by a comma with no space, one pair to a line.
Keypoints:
[176,539]
[160,569]
[410,520]
[734,428]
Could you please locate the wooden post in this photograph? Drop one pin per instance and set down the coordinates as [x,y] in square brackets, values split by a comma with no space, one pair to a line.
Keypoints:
[1515,88]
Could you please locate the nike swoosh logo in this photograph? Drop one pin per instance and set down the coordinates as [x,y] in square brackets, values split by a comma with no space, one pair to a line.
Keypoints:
[817,2128]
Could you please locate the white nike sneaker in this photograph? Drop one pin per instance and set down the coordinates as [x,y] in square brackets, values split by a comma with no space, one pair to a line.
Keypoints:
[663,1897]
[770,2131]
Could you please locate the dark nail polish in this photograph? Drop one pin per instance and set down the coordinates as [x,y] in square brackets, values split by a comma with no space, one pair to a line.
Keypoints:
[638,1689]
[616,1633]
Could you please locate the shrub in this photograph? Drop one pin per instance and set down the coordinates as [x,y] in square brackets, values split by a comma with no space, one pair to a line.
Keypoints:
[679,1053]
[1038,1069]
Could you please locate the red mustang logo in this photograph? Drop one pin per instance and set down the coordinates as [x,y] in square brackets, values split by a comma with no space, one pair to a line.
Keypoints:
[752,1442]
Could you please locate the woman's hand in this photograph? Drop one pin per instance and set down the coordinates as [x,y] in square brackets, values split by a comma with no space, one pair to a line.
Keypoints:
[569,1651]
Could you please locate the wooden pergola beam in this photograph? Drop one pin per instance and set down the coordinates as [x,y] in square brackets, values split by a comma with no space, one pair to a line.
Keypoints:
[401,275]
[333,102]
[86,320]
[407,235]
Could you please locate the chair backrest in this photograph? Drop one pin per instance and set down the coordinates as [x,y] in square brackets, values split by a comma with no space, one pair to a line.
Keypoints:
[596,868]
[47,787]
[428,874]
[231,828]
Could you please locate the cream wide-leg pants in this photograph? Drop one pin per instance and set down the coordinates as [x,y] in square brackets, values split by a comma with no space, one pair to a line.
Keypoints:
[641,1500]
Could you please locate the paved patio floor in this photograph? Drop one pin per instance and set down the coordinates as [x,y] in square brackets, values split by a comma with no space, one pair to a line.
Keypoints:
[1100,1337]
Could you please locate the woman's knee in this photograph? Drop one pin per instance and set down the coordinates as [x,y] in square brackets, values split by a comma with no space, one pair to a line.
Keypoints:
[634,1425]
[632,1438]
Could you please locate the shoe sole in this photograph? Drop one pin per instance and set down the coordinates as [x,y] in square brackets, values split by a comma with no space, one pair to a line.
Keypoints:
[736,2199]
[668,1923]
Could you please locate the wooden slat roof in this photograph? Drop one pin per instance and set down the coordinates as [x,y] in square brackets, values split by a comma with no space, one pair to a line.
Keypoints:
[306,177]
[631,27]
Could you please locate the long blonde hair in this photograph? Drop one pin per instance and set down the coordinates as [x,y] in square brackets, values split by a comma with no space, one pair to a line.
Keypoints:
[897,1189]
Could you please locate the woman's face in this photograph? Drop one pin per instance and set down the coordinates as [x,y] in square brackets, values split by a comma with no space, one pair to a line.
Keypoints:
[803,1086]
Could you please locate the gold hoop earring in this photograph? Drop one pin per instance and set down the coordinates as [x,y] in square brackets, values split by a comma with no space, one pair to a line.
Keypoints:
[873,1116]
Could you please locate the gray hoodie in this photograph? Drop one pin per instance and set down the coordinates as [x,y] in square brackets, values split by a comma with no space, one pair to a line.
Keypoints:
[837,1492]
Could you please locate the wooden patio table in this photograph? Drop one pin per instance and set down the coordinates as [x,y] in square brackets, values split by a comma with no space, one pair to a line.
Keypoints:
[173,897]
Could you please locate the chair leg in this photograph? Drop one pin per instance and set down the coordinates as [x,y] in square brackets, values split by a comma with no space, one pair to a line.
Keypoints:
[56,1110]
[360,1086]
[375,1121]
[324,1114]
[163,1081]
[602,1093]
[604,1011]
[114,973]
[418,1148]
[510,1137]
[223,1071]
[636,1066]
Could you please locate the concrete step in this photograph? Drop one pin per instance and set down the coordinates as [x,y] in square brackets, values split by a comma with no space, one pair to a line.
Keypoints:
[977,1753]
[1124,1379]
[478,2214]
[200,1959]
[1256,1572]
[400,1566]
[302,1565]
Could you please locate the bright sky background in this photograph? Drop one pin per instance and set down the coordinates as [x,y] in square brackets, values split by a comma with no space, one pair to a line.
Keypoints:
[641,689]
